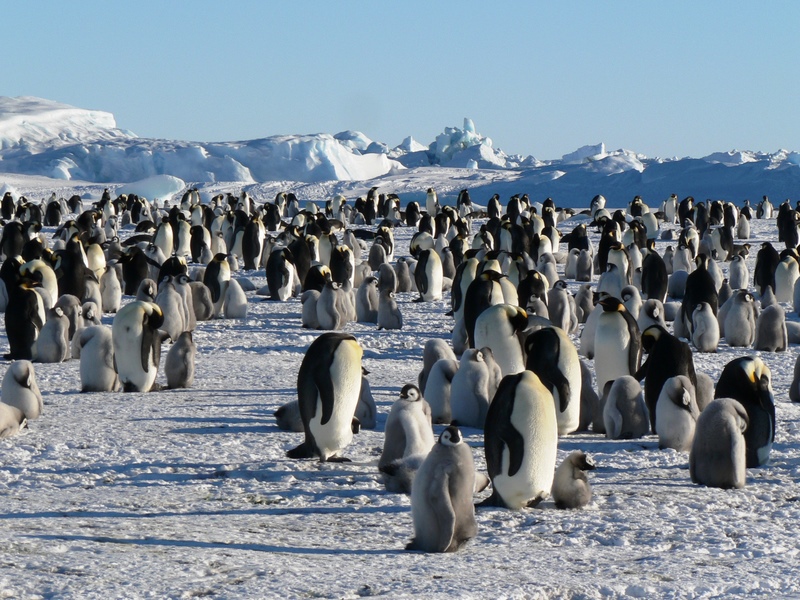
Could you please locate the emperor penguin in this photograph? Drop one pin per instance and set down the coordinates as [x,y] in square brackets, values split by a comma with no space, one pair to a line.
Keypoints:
[432,202]
[558,305]
[12,420]
[280,274]
[437,389]
[202,304]
[651,313]
[235,305]
[110,290]
[717,456]
[737,319]
[705,328]
[667,356]
[771,332]
[738,273]
[216,277]
[441,497]
[571,487]
[625,413]
[408,433]
[172,307]
[330,313]
[97,360]
[24,319]
[401,269]
[500,327]
[435,349]
[53,343]
[676,414]
[19,389]
[520,441]
[179,364]
[747,380]
[428,276]
[137,345]
[328,389]
[617,342]
[554,359]
[473,387]
[367,301]
[389,315]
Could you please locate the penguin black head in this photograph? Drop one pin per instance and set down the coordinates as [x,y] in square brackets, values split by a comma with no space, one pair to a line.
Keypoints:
[612,304]
[582,461]
[411,393]
[451,436]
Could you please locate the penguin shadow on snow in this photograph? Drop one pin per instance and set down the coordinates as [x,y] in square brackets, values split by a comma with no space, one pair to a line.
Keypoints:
[268,548]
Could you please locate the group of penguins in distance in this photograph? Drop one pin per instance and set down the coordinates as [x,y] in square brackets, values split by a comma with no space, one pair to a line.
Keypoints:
[511,367]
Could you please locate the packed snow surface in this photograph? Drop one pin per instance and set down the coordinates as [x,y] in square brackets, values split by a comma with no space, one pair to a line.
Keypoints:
[187,493]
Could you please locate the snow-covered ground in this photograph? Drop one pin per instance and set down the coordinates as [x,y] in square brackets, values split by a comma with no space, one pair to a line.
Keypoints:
[185,493]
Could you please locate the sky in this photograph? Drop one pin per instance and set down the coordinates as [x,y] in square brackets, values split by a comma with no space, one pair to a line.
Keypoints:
[663,79]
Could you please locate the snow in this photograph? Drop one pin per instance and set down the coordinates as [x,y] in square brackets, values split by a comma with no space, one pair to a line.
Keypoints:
[186,493]
[163,187]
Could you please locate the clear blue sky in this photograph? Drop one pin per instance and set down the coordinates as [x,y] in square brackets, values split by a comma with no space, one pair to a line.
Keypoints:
[661,78]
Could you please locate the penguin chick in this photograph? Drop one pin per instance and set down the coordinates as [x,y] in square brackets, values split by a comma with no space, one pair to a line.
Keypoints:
[571,487]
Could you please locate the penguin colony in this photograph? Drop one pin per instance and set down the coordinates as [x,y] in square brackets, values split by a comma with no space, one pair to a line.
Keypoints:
[510,368]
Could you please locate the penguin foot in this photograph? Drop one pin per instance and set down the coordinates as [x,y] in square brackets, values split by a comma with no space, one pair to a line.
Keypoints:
[304,450]
[535,502]
[337,459]
[493,500]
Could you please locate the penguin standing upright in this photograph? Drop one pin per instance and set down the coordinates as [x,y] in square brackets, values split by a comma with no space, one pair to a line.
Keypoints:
[520,441]
[441,498]
[617,342]
[554,358]
[97,360]
[328,389]
[747,380]
[500,328]
[408,433]
[137,345]
[216,277]
[428,276]
[389,315]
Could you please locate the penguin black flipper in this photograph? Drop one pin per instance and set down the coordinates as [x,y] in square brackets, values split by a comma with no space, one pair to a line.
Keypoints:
[148,339]
[494,500]
[543,350]
[33,310]
[501,433]
[422,282]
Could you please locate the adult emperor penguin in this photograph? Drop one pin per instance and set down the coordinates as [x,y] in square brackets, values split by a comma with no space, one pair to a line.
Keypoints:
[520,441]
[24,318]
[428,276]
[700,287]
[717,457]
[554,359]
[747,380]
[676,414]
[97,360]
[625,413]
[617,342]
[216,277]
[441,498]
[137,345]
[328,388]
[19,389]
[571,487]
[408,433]
[667,356]
[280,274]
[179,364]
[389,315]
[500,327]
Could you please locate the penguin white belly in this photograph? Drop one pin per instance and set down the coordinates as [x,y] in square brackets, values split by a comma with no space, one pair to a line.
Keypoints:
[610,351]
[337,433]
[285,291]
[435,279]
[569,419]
[534,479]
[498,335]
[128,357]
